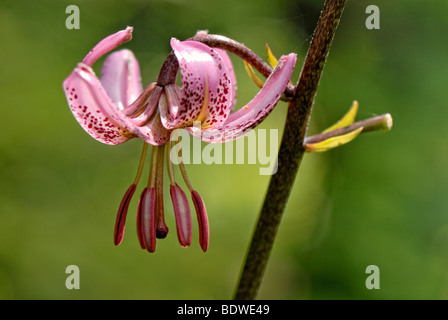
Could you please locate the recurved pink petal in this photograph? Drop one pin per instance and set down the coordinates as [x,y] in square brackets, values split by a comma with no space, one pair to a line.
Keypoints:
[120,77]
[182,214]
[102,119]
[108,44]
[207,89]
[250,116]
[89,102]
[201,212]
[93,108]
[96,111]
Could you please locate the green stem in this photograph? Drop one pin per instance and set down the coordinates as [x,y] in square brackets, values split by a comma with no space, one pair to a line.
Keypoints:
[290,153]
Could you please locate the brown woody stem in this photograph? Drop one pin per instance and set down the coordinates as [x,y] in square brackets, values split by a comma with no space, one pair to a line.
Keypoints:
[290,153]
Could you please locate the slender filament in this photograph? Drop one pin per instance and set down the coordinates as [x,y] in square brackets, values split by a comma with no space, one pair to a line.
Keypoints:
[183,171]
[142,163]
[169,164]
[153,167]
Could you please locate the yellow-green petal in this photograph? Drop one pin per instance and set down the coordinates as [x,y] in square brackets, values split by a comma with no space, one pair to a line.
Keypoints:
[347,119]
[250,71]
[333,142]
[271,58]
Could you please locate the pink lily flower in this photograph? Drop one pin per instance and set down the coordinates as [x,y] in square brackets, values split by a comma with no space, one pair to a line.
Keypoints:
[115,109]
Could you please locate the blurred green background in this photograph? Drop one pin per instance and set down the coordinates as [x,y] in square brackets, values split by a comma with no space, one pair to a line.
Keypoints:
[380,200]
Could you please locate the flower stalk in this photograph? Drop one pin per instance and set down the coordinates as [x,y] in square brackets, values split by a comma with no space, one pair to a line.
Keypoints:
[291,152]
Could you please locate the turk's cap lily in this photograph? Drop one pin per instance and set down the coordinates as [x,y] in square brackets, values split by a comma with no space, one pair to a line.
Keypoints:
[116,108]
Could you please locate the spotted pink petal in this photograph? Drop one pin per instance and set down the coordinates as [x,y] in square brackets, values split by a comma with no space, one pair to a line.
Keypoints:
[182,214]
[231,72]
[250,116]
[95,109]
[87,99]
[206,94]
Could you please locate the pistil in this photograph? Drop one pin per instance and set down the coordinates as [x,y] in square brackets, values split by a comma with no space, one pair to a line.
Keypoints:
[161,228]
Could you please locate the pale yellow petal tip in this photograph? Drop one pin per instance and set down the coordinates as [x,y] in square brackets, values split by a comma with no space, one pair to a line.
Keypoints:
[271,58]
[347,119]
[333,142]
[389,122]
[385,124]
[250,71]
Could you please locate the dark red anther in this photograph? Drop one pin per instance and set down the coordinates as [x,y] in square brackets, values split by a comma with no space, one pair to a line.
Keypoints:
[182,214]
[146,219]
[121,215]
[201,213]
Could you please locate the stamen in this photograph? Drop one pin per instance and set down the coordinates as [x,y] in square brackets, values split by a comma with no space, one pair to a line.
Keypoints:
[146,223]
[147,208]
[183,171]
[153,167]
[199,205]
[169,164]
[124,205]
[121,215]
[141,164]
[201,212]
[139,223]
[180,205]
[180,164]
[182,214]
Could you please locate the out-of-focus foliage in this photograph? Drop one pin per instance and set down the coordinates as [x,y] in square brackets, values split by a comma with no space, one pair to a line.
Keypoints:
[380,200]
